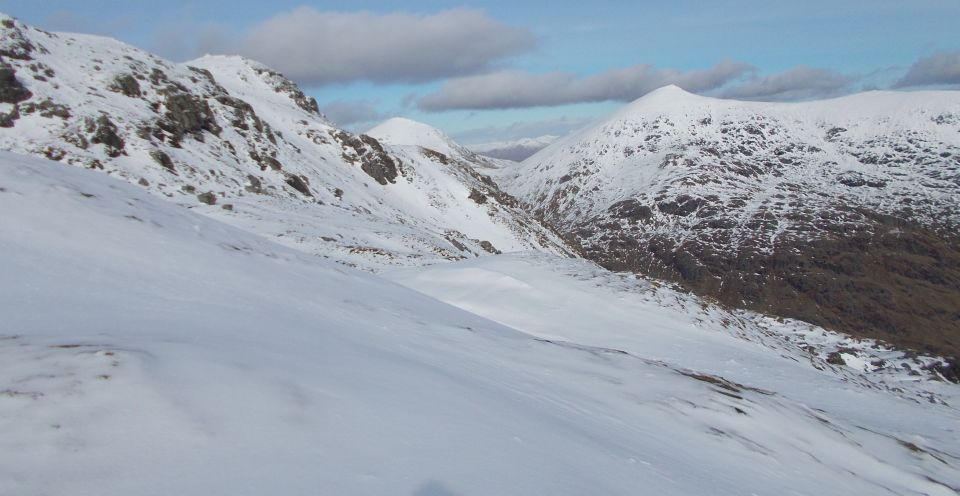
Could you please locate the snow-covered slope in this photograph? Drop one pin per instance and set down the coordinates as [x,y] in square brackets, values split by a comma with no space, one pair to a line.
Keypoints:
[840,212]
[402,131]
[239,142]
[149,350]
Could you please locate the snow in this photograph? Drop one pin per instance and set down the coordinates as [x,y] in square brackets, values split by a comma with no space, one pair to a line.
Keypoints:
[150,350]
[348,216]
[403,131]
[156,345]
[670,143]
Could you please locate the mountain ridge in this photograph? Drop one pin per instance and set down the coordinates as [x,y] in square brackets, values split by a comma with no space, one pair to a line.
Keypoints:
[238,141]
[788,208]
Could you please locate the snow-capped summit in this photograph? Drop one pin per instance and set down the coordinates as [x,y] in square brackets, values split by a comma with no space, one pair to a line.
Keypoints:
[782,207]
[407,132]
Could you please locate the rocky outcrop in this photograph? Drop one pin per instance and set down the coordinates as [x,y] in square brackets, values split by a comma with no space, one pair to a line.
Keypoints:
[368,152]
[11,90]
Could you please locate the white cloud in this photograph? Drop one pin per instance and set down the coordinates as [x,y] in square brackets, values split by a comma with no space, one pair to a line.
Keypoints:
[315,48]
[345,113]
[517,89]
[938,69]
[798,83]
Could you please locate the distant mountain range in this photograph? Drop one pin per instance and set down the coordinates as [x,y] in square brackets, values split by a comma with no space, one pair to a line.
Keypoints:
[517,150]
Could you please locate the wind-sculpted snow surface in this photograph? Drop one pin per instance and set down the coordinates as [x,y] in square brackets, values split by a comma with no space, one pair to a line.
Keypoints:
[241,143]
[149,350]
[840,212]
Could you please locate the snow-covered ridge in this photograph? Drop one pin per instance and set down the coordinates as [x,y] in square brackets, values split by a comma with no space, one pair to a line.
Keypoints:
[142,341]
[240,142]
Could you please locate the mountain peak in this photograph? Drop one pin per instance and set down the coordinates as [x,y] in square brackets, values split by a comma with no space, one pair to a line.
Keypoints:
[670,90]
[407,132]
[670,94]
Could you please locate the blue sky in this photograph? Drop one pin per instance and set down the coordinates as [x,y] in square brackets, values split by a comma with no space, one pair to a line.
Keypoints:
[507,69]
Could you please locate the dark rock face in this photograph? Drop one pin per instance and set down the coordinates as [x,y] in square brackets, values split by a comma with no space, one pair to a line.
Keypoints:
[7,119]
[188,114]
[284,85]
[17,46]
[366,150]
[435,156]
[127,85]
[897,283]
[105,133]
[254,185]
[160,157]
[46,108]
[489,248]
[11,90]
[477,196]
[209,198]
[300,184]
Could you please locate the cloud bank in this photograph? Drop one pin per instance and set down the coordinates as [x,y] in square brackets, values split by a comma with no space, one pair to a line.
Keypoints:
[938,69]
[315,48]
[728,79]
[346,113]
[801,82]
[518,89]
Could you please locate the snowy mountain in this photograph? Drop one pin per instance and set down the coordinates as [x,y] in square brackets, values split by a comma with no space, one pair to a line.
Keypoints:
[517,150]
[169,327]
[239,142]
[842,212]
[150,350]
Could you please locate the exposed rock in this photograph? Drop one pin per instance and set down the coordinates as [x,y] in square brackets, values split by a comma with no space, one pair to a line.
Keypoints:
[299,183]
[284,85]
[105,133]
[46,108]
[834,358]
[253,184]
[477,196]
[127,85]
[187,114]
[489,248]
[630,209]
[435,156]
[14,44]
[7,119]
[11,90]
[370,154]
[210,198]
[160,157]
